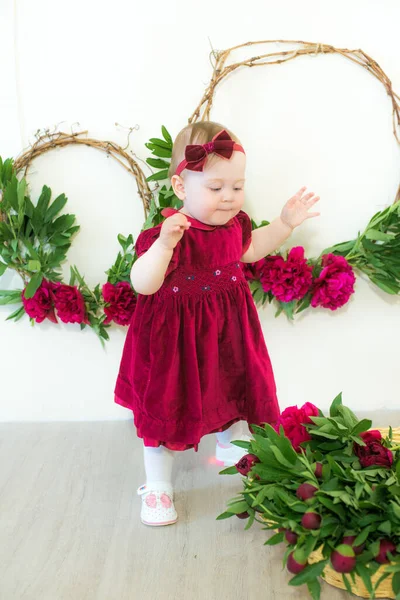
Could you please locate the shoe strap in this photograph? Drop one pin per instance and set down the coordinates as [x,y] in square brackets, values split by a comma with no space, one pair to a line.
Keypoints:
[166,488]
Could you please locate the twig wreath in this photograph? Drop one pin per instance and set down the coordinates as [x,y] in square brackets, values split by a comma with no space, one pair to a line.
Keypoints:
[34,241]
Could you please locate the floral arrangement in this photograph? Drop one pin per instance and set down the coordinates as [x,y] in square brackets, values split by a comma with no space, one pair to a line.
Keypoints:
[330,487]
[35,238]
[328,285]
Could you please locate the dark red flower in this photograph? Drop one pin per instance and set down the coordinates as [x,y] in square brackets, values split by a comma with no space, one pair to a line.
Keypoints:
[121,302]
[335,284]
[253,270]
[69,303]
[374,452]
[292,420]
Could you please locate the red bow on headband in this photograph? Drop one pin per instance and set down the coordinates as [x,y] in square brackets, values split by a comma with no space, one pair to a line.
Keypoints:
[196,154]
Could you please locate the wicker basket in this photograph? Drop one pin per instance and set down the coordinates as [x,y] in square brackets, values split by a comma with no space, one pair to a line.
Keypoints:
[333,578]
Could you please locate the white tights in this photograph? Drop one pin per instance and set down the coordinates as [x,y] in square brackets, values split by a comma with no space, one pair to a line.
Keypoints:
[158,462]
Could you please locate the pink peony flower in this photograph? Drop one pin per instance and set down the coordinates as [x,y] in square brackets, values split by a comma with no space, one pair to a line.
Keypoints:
[41,305]
[122,302]
[293,419]
[69,303]
[335,284]
[287,279]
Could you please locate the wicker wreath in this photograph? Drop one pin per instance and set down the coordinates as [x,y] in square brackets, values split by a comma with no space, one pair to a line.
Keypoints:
[22,224]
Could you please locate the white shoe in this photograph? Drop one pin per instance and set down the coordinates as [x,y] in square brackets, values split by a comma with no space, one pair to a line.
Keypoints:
[230,456]
[157,504]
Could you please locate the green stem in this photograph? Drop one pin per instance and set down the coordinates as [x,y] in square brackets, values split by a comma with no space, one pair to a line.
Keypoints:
[262,506]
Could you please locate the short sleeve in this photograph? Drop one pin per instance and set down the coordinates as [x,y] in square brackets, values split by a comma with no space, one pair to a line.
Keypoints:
[147,238]
[245,224]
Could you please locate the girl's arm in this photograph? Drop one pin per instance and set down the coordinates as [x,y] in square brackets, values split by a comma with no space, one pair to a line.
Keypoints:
[265,240]
[148,271]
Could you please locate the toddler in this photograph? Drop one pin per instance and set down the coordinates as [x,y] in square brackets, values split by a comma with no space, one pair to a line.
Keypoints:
[194,360]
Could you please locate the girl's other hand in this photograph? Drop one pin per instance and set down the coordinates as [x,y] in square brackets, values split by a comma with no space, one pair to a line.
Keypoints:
[296,208]
[172,230]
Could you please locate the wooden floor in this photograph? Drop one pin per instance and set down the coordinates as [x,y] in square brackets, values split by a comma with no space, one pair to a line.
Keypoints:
[70,524]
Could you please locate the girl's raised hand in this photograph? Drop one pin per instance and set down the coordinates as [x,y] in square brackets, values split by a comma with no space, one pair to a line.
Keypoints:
[172,230]
[296,208]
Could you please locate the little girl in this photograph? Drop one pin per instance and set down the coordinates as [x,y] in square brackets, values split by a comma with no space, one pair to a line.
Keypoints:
[194,360]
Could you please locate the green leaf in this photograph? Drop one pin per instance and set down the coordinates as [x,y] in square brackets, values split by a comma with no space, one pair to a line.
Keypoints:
[275,539]
[362,426]
[360,539]
[33,285]
[333,411]
[314,587]
[280,458]
[363,572]
[241,444]
[225,515]
[395,508]
[158,151]
[17,314]
[55,208]
[158,163]
[250,521]
[396,583]
[158,176]
[43,202]
[374,234]
[385,527]
[309,573]
[34,265]
[166,135]
[238,507]
[347,583]
[379,581]
[335,508]
[159,142]
[350,419]
[229,471]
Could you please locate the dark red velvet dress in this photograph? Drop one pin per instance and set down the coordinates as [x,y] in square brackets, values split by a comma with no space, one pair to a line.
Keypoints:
[194,359]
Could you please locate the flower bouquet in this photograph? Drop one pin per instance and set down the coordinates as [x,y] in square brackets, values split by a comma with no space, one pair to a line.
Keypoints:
[330,488]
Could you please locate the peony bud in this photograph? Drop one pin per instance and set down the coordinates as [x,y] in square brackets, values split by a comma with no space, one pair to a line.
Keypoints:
[311,520]
[349,539]
[318,470]
[306,491]
[246,463]
[384,547]
[243,515]
[291,536]
[343,559]
[296,562]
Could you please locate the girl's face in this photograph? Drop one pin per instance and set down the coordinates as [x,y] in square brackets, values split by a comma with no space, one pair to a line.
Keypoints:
[215,195]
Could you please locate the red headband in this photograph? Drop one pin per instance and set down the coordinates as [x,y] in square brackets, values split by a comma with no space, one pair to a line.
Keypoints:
[196,155]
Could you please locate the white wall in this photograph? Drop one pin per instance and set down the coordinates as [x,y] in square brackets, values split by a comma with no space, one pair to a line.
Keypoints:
[317,121]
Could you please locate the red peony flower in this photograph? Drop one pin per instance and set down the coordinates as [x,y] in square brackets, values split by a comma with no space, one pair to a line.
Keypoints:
[374,453]
[293,419]
[69,303]
[122,300]
[40,306]
[287,280]
[253,270]
[246,463]
[335,284]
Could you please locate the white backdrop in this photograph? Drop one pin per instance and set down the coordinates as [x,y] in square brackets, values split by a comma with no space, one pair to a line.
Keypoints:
[318,121]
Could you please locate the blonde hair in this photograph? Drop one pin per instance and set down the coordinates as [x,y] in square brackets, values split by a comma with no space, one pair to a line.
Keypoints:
[196,133]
